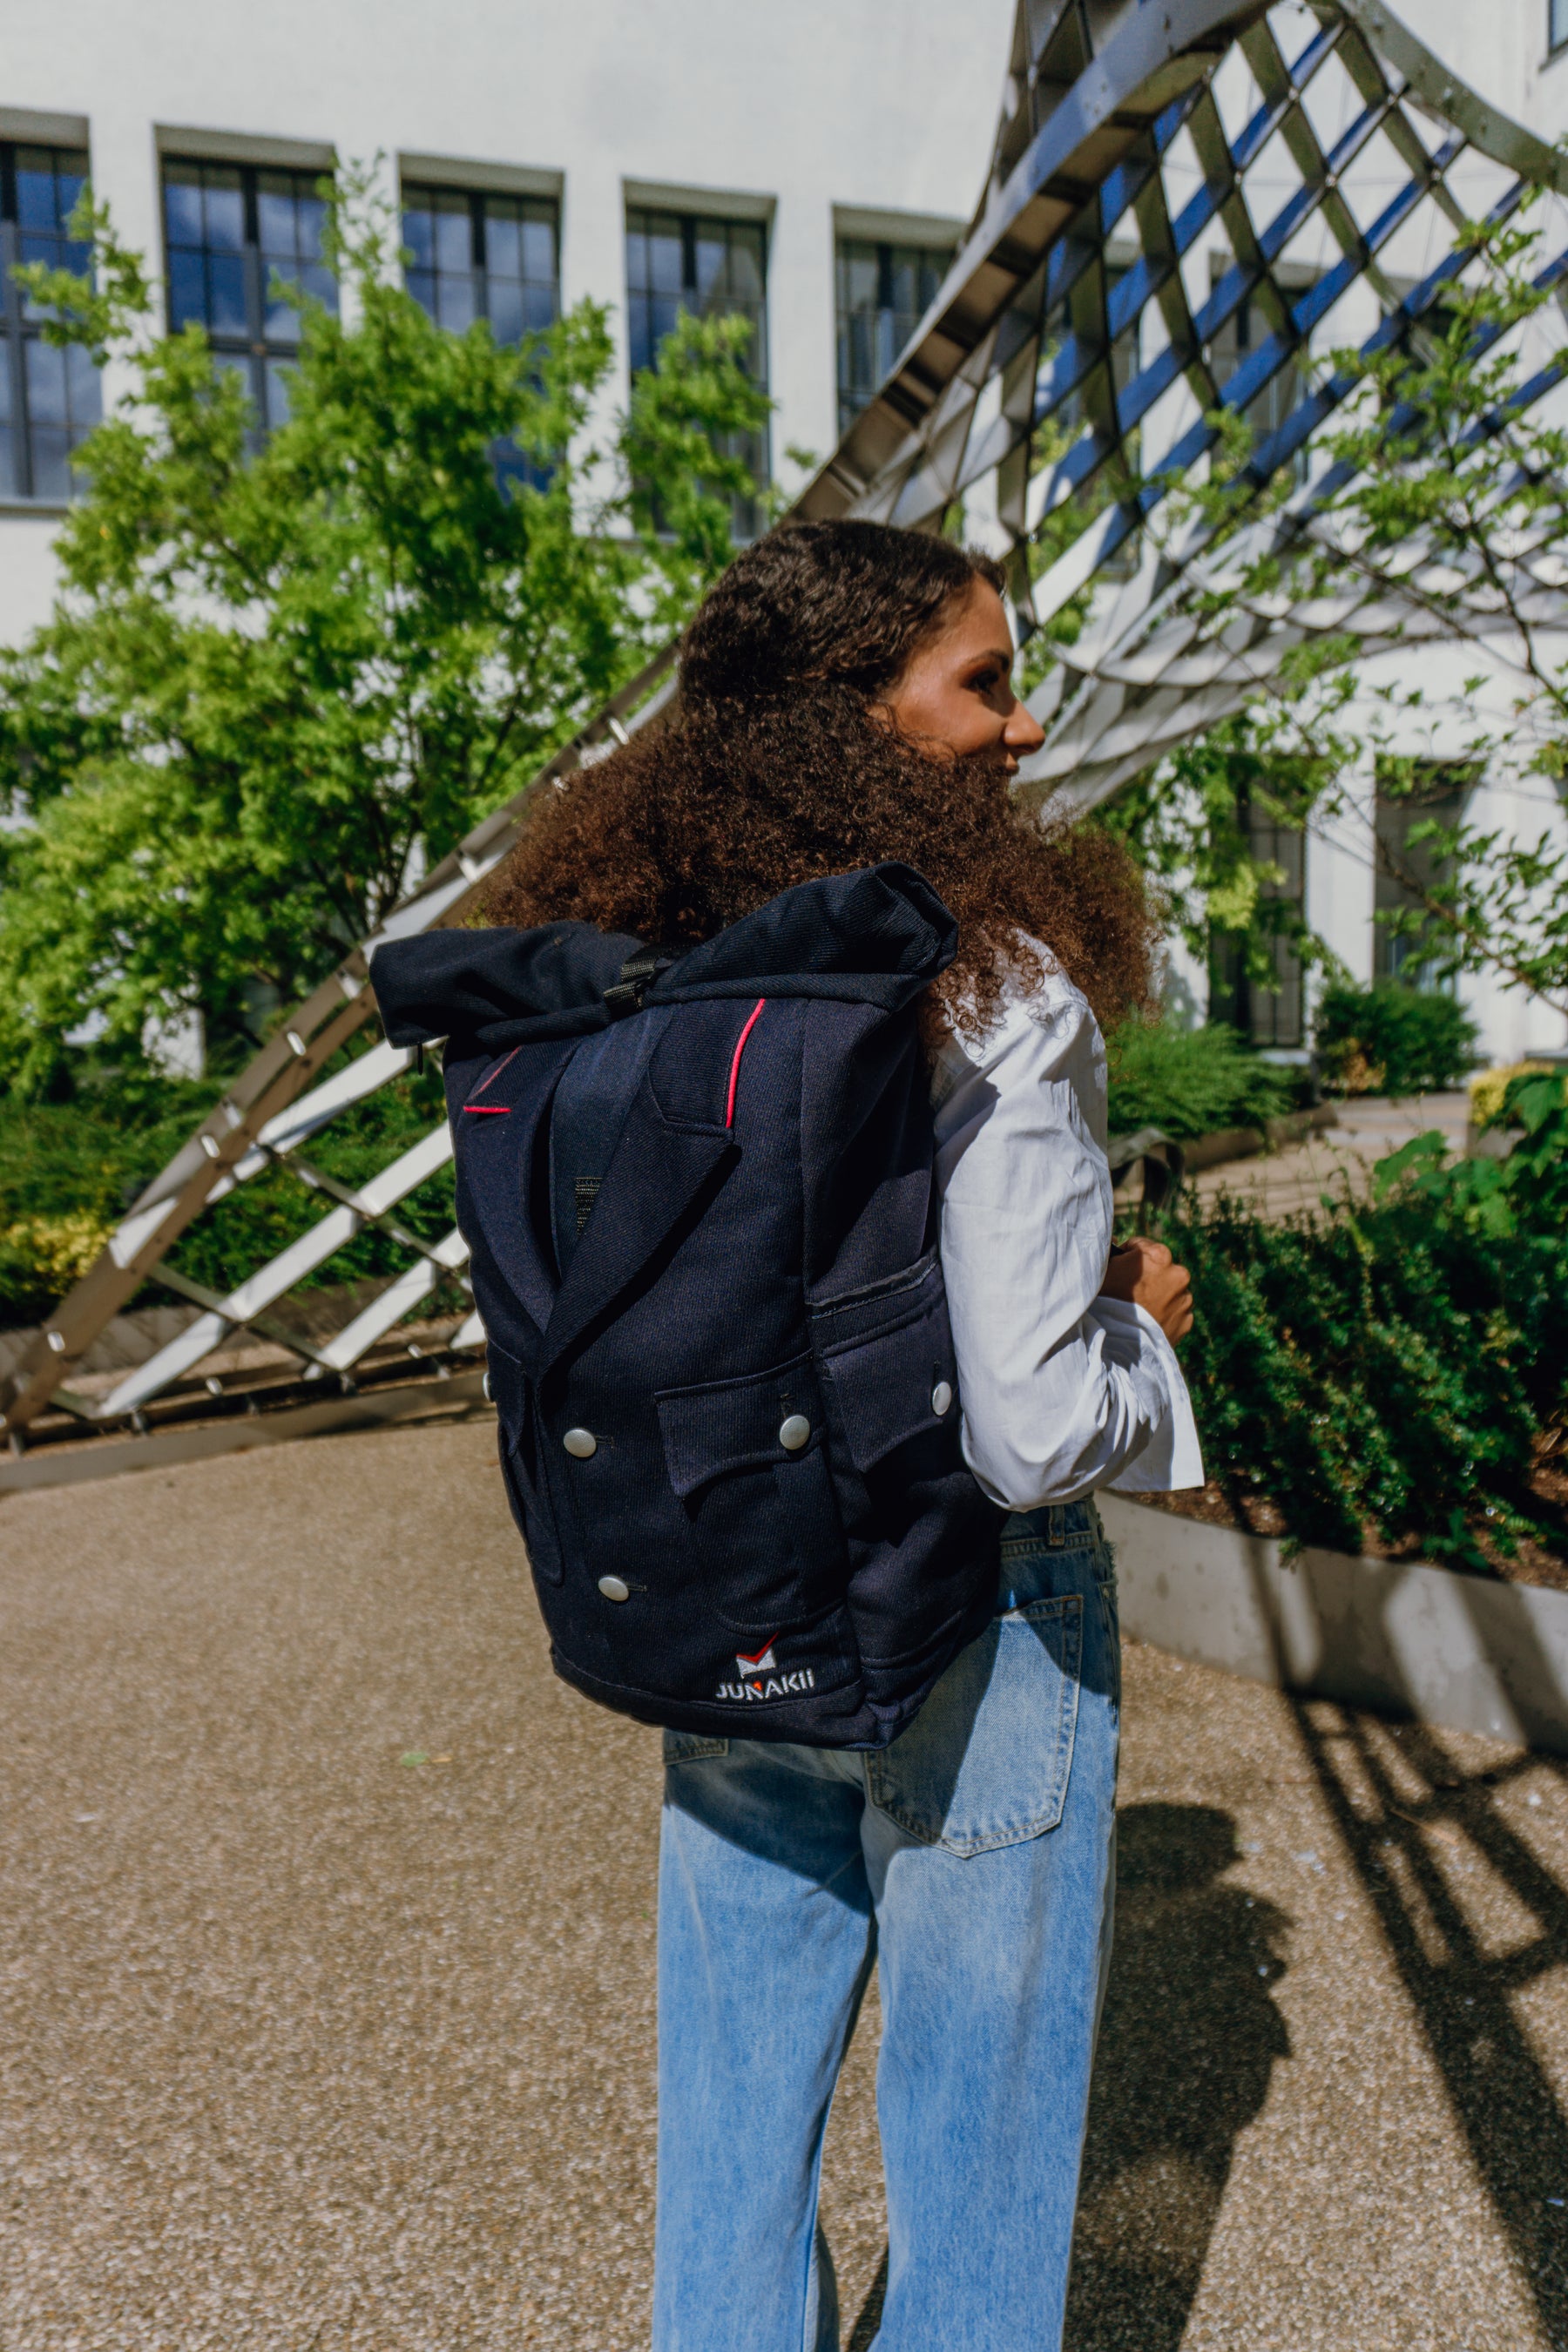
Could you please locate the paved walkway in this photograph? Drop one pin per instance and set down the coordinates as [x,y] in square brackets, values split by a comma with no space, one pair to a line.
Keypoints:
[326,2008]
[1282,1183]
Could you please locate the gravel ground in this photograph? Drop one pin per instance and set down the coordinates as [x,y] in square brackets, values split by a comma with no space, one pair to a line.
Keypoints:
[328,2000]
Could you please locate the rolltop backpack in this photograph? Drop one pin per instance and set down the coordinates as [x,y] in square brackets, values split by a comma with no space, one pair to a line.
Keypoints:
[699,1199]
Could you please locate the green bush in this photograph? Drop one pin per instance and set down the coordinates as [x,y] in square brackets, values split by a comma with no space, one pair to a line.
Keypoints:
[1386,1372]
[1191,1081]
[69,1170]
[1390,1039]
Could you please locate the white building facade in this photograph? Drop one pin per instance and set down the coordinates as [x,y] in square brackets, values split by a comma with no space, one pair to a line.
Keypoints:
[765,157]
[812,163]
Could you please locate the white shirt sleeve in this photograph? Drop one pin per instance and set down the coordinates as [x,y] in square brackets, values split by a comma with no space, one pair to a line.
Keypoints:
[1062,1390]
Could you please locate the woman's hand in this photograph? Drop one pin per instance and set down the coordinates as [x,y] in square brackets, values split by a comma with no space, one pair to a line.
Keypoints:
[1145,1273]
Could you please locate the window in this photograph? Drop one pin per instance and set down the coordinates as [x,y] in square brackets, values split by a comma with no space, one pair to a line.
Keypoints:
[1268,1012]
[1556,23]
[49,399]
[714,268]
[483,257]
[1433,794]
[232,232]
[474,255]
[884,292]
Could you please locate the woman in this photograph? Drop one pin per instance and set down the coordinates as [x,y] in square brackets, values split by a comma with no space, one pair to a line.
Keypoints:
[847,698]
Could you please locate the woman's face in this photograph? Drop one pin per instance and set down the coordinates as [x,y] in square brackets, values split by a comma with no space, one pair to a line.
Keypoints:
[957,689]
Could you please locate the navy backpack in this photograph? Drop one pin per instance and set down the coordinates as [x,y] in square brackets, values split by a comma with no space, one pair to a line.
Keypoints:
[699,1200]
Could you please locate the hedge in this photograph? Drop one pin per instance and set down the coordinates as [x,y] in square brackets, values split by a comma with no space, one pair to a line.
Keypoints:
[1191,1081]
[1389,1371]
[1391,1039]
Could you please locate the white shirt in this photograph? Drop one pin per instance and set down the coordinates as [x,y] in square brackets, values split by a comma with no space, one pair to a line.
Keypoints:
[1062,1390]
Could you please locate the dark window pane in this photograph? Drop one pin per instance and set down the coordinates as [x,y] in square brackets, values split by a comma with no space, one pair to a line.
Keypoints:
[503,244]
[506,310]
[455,307]
[50,451]
[276,217]
[665,261]
[883,292]
[187,289]
[538,250]
[419,235]
[709,252]
[311,226]
[282,321]
[223,208]
[319,284]
[454,235]
[474,253]
[5,386]
[84,389]
[236,235]
[226,294]
[183,203]
[46,374]
[746,263]
[9,486]
[712,266]
[539,309]
[36,188]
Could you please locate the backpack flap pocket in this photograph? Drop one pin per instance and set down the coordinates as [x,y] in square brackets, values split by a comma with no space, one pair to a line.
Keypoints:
[888,1359]
[748,1461]
[520,1464]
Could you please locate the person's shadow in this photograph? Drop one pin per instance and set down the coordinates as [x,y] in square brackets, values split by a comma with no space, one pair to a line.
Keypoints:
[1188,2040]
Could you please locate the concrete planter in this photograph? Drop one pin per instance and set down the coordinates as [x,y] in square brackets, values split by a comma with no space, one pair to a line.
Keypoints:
[1459,1651]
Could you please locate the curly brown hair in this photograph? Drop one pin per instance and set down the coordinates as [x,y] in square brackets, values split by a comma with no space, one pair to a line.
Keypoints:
[777,769]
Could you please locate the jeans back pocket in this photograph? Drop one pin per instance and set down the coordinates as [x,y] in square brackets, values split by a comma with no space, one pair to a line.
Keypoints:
[986,1762]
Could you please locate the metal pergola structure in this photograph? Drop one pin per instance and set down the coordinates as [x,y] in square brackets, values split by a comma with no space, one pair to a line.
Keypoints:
[1186,198]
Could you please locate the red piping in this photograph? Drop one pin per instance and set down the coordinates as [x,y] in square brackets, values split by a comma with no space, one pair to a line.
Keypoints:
[735,1064]
[492,1110]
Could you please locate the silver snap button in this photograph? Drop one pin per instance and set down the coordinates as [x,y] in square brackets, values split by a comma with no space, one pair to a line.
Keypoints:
[941,1398]
[795,1432]
[613,1590]
[579,1443]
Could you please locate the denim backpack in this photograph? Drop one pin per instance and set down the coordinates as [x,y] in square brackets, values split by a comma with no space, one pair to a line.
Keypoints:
[699,1202]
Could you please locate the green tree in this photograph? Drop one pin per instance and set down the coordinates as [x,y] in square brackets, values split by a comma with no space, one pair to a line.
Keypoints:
[278,679]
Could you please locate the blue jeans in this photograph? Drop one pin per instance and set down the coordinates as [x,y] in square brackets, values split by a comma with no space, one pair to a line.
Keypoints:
[973,1861]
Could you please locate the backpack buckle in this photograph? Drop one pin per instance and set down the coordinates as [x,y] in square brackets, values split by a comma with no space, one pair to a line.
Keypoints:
[626,995]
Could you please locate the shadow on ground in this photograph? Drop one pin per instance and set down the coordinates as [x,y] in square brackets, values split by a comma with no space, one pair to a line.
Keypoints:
[1406,1811]
[1188,2043]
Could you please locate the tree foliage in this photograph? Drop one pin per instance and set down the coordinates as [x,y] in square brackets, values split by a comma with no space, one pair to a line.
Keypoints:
[279,679]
